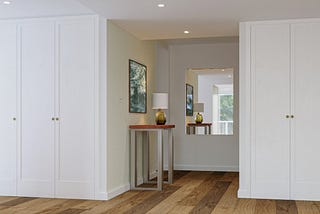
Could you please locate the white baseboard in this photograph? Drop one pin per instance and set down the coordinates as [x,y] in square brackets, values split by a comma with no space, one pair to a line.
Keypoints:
[243,193]
[118,191]
[101,196]
[207,168]
[139,180]
[153,174]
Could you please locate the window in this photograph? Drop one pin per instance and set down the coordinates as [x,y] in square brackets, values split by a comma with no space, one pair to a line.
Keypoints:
[225,123]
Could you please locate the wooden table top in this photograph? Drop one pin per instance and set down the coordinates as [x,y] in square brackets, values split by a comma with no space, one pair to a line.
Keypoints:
[199,124]
[146,126]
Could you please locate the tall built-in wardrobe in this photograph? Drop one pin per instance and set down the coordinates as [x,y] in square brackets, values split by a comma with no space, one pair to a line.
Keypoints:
[279,109]
[49,107]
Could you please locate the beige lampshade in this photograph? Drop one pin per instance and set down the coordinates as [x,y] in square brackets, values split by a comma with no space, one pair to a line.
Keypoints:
[160,101]
[198,107]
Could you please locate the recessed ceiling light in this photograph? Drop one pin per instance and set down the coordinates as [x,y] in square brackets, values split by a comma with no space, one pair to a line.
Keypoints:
[161,5]
[6,2]
[186,32]
[229,76]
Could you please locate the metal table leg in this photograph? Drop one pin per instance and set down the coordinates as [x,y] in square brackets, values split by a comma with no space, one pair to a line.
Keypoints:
[146,156]
[170,156]
[160,159]
[133,170]
[146,160]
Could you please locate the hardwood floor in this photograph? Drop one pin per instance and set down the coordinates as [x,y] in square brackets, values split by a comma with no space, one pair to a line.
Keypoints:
[192,192]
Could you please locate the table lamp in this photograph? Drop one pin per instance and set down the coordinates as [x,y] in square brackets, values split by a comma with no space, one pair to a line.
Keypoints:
[198,107]
[160,102]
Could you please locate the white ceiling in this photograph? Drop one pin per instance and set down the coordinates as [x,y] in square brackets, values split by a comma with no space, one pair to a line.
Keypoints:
[39,8]
[203,18]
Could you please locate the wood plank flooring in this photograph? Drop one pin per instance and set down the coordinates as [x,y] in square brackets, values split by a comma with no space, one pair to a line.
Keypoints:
[192,192]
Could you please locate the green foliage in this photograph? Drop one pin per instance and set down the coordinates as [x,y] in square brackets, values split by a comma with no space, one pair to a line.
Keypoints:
[138,87]
[226,107]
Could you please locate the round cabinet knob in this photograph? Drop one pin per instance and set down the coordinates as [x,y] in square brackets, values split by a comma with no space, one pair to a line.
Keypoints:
[52,119]
[292,116]
[57,118]
[14,119]
[287,116]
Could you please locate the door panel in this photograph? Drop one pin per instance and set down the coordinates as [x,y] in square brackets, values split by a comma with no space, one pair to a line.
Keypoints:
[75,146]
[8,139]
[306,104]
[271,103]
[36,148]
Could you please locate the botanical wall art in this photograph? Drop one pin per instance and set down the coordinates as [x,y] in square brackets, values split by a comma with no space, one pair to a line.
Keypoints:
[189,100]
[137,87]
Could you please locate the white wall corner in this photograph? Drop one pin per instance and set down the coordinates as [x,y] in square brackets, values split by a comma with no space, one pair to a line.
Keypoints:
[101,88]
[243,193]
[101,196]
[118,191]
[244,109]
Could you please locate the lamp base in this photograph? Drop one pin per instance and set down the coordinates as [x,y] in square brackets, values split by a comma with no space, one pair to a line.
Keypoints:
[199,118]
[160,118]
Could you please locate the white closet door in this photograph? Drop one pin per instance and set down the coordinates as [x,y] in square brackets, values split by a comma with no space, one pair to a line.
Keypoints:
[8,139]
[305,181]
[75,144]
[270,135]
[36,147]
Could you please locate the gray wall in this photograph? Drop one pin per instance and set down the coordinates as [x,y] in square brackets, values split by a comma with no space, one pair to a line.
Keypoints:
[218,153]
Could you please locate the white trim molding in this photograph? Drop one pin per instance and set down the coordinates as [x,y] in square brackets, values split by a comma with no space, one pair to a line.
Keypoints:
[118,191]
[244,193]
[101,146]
[244,113]
[101,196]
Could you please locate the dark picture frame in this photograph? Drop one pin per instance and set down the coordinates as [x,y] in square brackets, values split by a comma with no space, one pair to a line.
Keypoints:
[137,87]
[189,100]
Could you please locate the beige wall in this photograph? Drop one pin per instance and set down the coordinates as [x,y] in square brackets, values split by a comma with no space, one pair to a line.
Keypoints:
[122,46]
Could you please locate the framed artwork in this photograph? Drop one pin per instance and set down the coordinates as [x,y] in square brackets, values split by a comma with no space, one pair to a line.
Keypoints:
[189,100]
[137,87]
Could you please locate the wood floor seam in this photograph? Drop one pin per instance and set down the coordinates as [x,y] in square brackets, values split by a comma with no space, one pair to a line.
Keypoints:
[200,192]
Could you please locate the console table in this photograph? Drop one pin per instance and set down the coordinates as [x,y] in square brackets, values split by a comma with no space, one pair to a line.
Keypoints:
[192,126]
[145,130]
